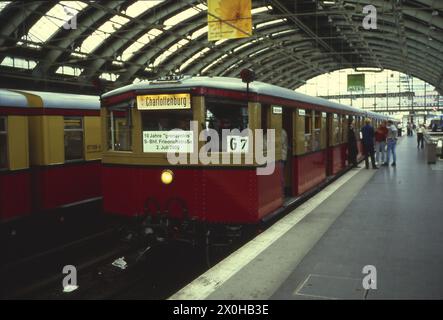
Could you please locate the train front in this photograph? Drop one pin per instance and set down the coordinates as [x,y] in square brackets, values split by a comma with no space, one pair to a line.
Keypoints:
[153,170]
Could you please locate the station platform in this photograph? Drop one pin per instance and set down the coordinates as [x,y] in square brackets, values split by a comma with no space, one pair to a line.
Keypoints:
[390,218]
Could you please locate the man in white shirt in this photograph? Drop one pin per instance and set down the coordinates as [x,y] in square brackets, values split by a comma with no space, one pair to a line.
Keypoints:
[421,130]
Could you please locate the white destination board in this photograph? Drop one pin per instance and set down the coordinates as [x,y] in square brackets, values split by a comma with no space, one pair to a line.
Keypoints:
[168,141]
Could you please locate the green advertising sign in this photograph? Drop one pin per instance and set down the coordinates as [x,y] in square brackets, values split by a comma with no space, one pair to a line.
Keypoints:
[356,82]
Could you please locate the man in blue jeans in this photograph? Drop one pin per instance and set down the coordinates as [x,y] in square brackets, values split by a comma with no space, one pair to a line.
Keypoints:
[391,142]
[368,137]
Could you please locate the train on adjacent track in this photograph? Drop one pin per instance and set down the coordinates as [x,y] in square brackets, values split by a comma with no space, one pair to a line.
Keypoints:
[147,127]
[50,151]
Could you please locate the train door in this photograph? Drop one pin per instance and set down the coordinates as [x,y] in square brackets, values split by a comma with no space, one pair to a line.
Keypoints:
[328,145]
[287,126]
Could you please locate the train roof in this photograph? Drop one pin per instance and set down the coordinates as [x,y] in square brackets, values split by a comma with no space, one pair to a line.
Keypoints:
[12,99]
[54,100]
[236,84]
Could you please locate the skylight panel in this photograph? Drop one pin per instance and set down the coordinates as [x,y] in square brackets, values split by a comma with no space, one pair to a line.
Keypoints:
[136,9]
[260,25]
[283,32]
[18,63]
[3,4]
[102,33]
[139,43]
[170,51]
[220,42]
[53,20]
[213,63]
[261,9]
[67,70]
[199,32]
[184,15]
[242,46]
[258,52]
[108,76]
[193,58]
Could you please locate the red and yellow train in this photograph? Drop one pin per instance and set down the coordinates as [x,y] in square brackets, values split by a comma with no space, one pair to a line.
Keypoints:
[140,180]
[50,151]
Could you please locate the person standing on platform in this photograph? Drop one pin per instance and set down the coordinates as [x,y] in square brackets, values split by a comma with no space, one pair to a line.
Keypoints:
[421,130]
[391,141]
[352,146]
[380,142]
[368,143]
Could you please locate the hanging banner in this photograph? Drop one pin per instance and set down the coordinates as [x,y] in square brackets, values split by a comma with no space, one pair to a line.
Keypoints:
[229,19]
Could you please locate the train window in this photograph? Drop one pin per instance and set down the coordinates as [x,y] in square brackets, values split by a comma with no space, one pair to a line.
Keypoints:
[119,129]
[73,138]
[166,120]
[308,131]
[225,114]
[308,122]
[3,144]
[317,130]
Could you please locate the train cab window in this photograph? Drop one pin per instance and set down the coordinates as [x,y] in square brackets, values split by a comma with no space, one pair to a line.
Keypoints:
[227,115]
[119,129]
[3,144]
[73,138]
[166,120]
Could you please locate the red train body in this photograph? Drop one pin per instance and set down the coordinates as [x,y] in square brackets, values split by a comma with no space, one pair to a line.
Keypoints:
[217,194]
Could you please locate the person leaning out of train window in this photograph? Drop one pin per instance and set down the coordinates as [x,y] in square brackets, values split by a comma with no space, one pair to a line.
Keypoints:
[380,143]
[352,145]
[368,137]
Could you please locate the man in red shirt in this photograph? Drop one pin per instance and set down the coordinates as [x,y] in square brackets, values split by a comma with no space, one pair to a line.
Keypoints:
[380,142]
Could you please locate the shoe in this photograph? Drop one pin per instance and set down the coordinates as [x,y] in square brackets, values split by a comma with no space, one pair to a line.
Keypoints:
[375,167]
[385,164]
[393,164]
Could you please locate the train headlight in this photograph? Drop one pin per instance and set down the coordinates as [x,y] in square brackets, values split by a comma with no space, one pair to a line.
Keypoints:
[167,176]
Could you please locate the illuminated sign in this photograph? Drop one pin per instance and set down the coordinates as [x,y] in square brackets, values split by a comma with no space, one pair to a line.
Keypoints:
[164,101]
[301,112]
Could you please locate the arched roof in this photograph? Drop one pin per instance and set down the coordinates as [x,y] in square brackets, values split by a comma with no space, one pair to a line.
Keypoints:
[292,41]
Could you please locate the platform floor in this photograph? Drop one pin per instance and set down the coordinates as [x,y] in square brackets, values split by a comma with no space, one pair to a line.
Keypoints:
[390,218]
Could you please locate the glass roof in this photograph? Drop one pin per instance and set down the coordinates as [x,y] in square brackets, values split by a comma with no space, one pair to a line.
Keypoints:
[53,20]
[193,58]
[115,23]
[184,15]
[3,4]
[139,43]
